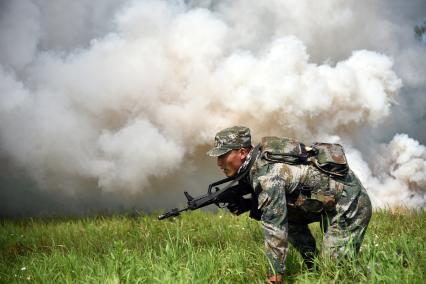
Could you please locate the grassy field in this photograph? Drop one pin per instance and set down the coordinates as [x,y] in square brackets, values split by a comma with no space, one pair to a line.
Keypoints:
[199,247]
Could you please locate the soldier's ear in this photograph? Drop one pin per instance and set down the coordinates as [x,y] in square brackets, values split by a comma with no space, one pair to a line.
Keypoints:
[244,152]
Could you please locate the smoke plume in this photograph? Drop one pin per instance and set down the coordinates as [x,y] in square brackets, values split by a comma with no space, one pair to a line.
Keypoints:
[111,105]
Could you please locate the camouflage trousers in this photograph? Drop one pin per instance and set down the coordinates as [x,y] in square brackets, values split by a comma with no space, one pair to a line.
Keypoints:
[343,231]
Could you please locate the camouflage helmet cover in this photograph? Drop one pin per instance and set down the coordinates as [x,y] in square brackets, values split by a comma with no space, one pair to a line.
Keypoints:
[228,139]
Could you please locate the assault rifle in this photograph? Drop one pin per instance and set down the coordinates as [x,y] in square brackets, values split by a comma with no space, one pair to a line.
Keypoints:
[230,196]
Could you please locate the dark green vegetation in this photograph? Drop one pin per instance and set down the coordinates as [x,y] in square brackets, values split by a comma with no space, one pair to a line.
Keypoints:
[198,247]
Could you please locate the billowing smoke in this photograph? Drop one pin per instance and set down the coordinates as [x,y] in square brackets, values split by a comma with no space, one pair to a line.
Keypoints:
[110,105]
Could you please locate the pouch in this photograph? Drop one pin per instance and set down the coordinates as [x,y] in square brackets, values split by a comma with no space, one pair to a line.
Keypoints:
[330,158]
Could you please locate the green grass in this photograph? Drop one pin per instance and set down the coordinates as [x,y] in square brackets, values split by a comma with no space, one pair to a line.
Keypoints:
[199,247]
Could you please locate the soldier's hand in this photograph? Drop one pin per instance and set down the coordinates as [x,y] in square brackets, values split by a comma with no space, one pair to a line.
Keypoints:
[279,278]
[233,208]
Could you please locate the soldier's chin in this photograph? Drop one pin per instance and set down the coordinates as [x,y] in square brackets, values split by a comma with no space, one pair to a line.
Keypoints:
[228,173]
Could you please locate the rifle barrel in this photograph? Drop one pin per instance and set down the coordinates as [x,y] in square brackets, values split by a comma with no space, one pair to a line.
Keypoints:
[172,213]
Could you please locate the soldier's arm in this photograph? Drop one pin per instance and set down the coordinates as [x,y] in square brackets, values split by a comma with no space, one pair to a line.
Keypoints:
[272,203]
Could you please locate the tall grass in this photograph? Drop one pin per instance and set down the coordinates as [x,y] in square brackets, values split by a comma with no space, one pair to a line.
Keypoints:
[198,247]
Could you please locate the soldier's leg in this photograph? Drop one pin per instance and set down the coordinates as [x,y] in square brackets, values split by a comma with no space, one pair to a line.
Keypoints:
[301,238]
[346,230]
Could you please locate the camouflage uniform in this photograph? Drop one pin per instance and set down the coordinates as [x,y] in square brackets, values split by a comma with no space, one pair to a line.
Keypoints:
[282,189]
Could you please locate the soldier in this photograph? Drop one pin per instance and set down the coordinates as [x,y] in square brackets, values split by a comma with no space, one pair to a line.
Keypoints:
[293,186]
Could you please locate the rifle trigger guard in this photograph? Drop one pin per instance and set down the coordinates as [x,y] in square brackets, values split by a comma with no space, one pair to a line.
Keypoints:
[221,205]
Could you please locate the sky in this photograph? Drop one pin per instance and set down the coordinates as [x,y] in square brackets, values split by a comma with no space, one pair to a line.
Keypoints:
[110,106]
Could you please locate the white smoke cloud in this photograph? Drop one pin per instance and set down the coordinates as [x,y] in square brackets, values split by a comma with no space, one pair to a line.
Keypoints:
[282,81]
[135,153]
[127,103]
[399,177]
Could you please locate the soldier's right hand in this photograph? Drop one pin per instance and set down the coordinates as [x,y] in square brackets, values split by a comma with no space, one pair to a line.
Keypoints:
[233,208]
[276,279]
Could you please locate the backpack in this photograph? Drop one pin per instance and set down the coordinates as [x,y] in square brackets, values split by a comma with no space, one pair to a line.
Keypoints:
[327,157]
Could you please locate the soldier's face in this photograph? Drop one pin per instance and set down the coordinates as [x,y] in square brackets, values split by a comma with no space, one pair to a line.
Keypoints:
[230,162]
